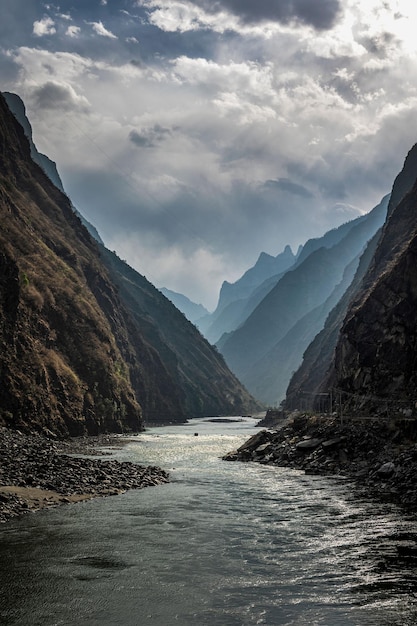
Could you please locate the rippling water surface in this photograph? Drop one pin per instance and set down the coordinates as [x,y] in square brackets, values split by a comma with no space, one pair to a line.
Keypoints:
[224,544]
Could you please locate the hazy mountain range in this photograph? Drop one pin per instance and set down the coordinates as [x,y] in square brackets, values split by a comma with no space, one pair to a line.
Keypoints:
[90,345]
[341,320]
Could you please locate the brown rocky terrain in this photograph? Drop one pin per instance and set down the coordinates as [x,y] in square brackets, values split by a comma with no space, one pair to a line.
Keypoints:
[63,335]
[82,352]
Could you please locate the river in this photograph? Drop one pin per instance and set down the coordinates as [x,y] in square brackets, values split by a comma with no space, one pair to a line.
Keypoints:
[224,544]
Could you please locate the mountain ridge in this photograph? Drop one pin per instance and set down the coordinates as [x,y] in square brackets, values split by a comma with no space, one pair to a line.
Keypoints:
[366,349]
[304,287]
[237,300]
[192,311]
[77,358]
[375,352]
[17,107]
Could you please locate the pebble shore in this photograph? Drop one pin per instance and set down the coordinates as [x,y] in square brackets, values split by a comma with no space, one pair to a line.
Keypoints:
[379,456]
[37,472]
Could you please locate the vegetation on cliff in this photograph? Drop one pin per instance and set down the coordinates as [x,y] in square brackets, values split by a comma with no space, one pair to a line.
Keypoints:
[75,357]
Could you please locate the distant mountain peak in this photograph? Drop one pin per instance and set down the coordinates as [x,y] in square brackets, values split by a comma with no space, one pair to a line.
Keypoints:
[237,300]
[262,348]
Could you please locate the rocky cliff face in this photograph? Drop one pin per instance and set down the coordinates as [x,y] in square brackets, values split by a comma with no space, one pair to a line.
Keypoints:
[74,356]
[62,333]
[375,361]
[367,350]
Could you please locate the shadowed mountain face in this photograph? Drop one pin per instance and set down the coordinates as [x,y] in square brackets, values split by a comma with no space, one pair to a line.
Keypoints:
[307,381]
[76,356]
[261,351]
[63,335]
[207,385]
[367,348]
[375,359]
[274,370]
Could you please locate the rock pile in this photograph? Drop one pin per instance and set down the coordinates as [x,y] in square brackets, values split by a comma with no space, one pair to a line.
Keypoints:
[380,456]
[35,473]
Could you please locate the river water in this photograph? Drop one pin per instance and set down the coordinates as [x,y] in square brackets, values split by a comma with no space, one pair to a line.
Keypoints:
[224,544]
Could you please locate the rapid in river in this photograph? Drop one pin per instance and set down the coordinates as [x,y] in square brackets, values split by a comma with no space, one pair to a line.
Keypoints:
[224,544]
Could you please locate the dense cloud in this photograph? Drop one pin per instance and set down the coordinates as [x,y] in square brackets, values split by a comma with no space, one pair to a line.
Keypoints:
[53,95]
[149,137]
[320,14]
[194,135]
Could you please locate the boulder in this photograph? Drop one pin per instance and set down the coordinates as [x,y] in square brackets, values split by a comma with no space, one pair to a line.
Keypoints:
[331,443]
[386,470]
[255,441]
[263,449]
[308,444]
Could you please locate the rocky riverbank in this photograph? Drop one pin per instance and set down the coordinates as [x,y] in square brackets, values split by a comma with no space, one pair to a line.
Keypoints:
[380,456]
[36,472]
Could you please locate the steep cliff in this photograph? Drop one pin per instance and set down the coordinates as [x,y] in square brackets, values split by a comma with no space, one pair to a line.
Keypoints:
[76,357]
[199,372]
[375,363]
[63,335]
[17,107]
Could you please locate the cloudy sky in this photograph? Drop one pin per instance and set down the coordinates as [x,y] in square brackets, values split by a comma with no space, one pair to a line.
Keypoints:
[195,134]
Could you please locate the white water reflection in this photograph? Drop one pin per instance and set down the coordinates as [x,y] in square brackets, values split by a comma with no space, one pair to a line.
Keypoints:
[223,544]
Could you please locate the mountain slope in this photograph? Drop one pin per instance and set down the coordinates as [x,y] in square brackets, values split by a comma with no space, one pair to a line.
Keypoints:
[62,332]
[297,293]
[207,385]
[237,300]
[307,381]
[375,360]
[17,107]
[75,357]
[270,375]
